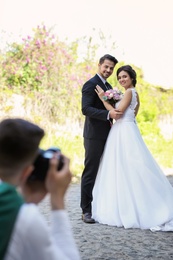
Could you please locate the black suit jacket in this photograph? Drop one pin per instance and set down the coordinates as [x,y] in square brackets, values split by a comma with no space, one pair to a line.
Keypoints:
[96,124]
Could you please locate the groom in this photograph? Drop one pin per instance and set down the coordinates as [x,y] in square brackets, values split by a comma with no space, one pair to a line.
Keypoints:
[96,128]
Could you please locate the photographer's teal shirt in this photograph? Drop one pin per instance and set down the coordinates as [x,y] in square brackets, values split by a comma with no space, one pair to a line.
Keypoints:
[10,203]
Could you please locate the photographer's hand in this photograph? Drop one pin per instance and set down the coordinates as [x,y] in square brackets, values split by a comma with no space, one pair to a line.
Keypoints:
[33,192]
[57,182]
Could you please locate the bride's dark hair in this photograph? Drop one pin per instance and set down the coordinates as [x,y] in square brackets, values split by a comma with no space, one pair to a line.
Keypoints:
[130,71]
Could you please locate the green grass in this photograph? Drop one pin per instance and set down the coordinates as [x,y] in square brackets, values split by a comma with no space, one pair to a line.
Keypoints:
[70,145]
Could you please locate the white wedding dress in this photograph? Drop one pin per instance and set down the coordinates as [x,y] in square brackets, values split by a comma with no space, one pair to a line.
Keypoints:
[131,191]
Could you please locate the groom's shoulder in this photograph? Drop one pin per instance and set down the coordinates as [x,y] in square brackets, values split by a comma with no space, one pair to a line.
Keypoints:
[94,79]
[92,83]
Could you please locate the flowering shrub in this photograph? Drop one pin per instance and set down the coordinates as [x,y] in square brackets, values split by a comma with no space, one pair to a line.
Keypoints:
[49,69]
[49,75]
[32,64]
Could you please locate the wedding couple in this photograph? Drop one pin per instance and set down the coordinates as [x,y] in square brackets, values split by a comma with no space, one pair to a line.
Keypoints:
[122,185]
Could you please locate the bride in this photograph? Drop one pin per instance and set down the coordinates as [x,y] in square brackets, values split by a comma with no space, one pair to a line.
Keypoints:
[130,191]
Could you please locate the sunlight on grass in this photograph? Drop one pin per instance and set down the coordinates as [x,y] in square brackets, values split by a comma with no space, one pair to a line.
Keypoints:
[71,145]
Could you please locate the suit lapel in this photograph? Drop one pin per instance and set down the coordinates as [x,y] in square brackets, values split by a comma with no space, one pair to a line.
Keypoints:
[101,84]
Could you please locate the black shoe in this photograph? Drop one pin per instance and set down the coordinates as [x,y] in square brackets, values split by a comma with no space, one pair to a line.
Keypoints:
[86,217]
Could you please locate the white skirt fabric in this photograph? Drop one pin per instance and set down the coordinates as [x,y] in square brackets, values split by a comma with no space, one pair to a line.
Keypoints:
[131,191]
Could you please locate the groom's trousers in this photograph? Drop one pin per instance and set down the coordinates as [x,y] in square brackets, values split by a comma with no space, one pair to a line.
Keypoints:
[93,152]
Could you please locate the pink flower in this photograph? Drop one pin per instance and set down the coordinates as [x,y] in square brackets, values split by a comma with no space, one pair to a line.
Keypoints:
[44,42]
[37,43]
[113,95]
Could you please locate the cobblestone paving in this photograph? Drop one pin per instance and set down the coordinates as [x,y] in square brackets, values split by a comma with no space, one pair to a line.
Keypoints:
[97,242]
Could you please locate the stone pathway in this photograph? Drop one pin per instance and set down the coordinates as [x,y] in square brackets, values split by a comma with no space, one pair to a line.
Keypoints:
[97,242]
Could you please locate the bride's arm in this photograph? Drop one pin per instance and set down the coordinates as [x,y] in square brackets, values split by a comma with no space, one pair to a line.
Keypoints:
[100,93]
[125,101]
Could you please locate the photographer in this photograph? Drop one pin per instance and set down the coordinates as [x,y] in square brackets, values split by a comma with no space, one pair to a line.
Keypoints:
[24,233]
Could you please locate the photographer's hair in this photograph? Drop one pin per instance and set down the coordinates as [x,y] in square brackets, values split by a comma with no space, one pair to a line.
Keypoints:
[108,57]
[130,71]
[19,142]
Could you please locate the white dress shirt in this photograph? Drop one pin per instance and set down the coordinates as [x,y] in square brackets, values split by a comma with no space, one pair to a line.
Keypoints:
[33,239]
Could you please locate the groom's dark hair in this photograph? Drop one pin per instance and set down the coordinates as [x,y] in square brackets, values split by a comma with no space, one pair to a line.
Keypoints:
[108,57]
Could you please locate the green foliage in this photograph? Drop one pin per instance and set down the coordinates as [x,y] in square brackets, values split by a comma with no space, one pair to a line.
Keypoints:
[69,139]
[49,75]
[161,149]
[43,65]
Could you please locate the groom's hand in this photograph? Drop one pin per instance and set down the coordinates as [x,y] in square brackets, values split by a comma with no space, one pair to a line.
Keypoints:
[115,114]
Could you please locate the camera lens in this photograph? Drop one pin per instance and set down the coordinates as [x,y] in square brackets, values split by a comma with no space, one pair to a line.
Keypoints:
[41,164]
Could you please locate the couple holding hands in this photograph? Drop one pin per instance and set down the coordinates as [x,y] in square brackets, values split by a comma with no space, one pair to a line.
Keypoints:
[122,185]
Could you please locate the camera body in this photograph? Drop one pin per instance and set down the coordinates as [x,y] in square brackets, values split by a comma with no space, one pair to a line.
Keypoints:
[41,164]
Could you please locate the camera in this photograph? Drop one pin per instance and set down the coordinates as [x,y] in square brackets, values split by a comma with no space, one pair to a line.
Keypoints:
[41,163]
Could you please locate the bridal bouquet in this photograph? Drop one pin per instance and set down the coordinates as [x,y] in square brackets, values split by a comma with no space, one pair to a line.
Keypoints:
[113,95]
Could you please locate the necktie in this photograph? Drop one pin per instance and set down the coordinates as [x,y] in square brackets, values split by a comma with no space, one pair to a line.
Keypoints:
[107,85]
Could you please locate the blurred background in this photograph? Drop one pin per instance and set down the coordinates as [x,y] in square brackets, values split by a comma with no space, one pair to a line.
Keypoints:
[48,49]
